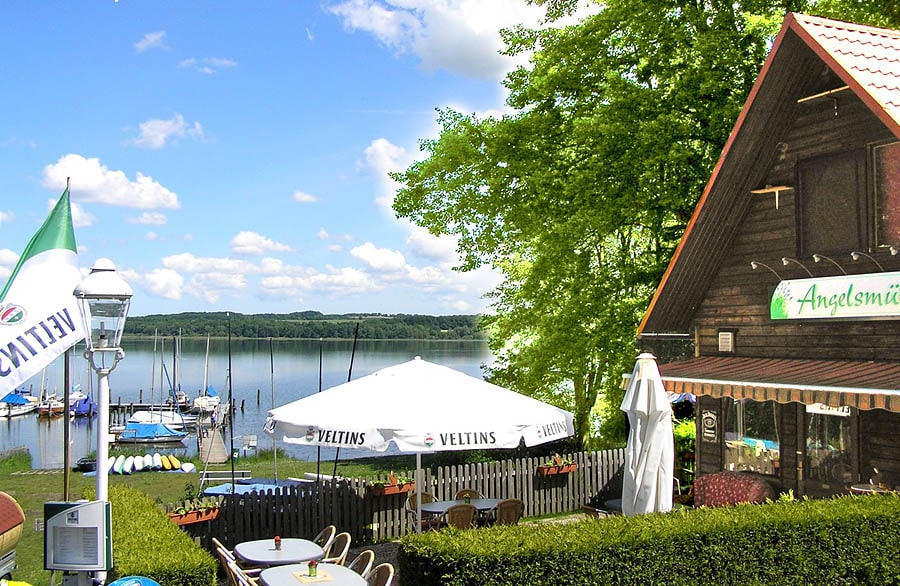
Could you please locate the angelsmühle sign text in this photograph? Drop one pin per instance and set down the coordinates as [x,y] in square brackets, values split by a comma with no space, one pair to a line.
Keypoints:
[842,297]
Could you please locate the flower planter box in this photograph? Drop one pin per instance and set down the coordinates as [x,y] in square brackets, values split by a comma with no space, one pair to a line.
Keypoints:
[194,516]
[545,470]
[386,489]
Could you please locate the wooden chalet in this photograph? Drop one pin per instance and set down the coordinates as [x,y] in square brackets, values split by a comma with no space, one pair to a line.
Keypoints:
[787,276]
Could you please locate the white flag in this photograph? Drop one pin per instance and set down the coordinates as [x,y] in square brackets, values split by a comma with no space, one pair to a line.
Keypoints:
[39,317]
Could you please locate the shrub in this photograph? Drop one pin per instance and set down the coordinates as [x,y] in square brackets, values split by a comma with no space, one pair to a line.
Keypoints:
[846,540]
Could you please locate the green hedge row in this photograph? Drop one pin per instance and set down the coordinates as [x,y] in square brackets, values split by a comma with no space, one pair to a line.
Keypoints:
[845,540]
[146,543]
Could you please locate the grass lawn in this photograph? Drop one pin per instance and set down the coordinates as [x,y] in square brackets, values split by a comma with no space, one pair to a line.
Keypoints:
[32,488]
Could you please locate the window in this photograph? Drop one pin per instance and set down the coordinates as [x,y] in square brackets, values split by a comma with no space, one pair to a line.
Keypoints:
[832,203]
[751,436]
[828,445]
[886,171]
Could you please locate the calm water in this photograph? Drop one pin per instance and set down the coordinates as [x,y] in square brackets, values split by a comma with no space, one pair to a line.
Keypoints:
[295,365]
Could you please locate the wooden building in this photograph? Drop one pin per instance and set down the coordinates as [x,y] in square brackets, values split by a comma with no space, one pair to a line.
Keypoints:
[802,210]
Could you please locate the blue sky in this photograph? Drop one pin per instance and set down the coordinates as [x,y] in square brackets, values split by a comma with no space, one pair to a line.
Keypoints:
[233,155]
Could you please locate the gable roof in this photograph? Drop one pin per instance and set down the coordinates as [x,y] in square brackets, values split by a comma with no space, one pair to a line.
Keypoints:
[866,59]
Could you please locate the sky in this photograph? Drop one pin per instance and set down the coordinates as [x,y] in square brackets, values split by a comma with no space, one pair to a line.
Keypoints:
[234,155]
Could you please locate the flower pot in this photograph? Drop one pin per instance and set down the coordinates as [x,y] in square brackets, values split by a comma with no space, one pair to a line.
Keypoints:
[386,489]
[194,516]
[548,470]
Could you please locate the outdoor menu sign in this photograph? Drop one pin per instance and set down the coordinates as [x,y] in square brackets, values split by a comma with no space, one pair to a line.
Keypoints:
[823,409]
[709,426]
[76,536]
[871,295]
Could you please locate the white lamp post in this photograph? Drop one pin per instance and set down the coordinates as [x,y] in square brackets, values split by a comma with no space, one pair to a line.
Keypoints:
[103,298]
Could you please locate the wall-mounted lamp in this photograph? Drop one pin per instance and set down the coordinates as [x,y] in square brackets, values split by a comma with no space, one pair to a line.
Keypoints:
[856,254]
[818,257]
[893,250]
[786,260]
[755,265]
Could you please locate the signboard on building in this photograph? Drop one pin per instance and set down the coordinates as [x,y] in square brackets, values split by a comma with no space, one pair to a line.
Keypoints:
[843,297]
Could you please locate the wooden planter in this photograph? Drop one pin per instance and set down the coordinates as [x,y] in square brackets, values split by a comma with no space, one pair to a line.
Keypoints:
[194,516]
[386,489]
[545,470]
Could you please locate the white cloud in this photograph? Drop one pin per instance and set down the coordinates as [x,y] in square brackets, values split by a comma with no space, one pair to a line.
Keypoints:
[439,248]
[94,183]
[383,157]
[155,40]
[380,259]
[322,234]
[6,216]
[149,218]
[343,281]
[207,65]
[151,236]
[457,35]
[252,243]
[304,197]
[155,133]
[166,283]
[188,263]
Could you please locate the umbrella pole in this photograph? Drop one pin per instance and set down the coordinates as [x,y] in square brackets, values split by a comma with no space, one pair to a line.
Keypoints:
[419,484]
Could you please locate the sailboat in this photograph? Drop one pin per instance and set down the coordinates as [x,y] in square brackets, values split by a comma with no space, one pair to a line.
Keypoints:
[81,404]
[17,403]
[209,400]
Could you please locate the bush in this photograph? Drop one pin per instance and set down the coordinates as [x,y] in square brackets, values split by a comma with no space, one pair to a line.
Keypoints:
[147,543]
[846,540]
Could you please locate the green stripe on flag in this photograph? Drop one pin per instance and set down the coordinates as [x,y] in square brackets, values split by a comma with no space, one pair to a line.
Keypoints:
[56,233]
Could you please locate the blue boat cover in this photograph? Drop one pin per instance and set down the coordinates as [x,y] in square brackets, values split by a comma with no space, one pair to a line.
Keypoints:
[14,398]
[210,392]
[150,430]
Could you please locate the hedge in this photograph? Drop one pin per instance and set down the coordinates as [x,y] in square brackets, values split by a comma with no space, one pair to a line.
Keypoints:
[146,543]
[844,540]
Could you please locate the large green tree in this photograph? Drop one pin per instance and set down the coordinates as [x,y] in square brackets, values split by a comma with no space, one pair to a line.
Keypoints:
[580,195]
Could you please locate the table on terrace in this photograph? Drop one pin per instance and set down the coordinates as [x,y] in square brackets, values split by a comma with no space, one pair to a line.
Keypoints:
[262,552]
[298,574]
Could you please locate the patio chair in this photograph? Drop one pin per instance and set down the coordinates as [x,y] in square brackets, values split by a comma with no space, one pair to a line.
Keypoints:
[337,554]
[362,563]
[428,521]
[325,537]
[240,577]
[226,556]
[461,516]
[382,575]
[467,492]
[508,512]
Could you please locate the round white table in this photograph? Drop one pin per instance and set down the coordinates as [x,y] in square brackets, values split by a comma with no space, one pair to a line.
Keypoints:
[440,507]
[297,574]
[262,552]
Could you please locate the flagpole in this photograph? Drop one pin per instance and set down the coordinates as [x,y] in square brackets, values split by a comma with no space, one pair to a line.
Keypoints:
[230,403]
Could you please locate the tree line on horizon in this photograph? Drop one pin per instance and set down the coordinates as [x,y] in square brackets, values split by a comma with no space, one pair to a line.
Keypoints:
[308,325]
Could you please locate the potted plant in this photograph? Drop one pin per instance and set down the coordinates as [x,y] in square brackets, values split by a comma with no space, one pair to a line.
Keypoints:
[557,465]
[393,485]
[195,511]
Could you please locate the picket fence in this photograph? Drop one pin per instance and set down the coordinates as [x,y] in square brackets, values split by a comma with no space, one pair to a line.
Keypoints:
[350,505]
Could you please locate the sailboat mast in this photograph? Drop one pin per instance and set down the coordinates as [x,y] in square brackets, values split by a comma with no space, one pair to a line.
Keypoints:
[272,378]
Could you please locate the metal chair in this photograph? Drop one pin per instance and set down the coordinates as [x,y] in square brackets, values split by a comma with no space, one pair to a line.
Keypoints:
[226,557]
[337,554]
[362,563]
[508,512]
[325,538]
[461,516]
[382,575]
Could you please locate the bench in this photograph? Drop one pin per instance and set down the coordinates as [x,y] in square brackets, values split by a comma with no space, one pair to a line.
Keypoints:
[730,488]
[221,475]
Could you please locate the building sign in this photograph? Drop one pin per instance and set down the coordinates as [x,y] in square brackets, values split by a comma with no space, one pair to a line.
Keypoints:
[823,409]
[841,297]
[709,426]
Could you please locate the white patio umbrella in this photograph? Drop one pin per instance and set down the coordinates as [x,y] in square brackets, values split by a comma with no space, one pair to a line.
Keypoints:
[650,452]
[420,407]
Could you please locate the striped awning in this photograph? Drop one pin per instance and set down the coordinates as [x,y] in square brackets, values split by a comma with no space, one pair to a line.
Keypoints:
[836,383]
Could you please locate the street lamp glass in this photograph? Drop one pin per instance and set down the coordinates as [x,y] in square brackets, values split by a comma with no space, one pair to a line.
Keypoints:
[103,298]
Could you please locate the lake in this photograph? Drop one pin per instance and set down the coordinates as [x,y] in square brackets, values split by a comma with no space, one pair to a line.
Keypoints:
[293,365]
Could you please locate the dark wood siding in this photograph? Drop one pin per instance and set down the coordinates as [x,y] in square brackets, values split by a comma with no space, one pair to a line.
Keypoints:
[879,437]
[738,297]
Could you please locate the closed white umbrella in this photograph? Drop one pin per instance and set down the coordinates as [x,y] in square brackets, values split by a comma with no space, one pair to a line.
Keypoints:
[650,452]
[420,407]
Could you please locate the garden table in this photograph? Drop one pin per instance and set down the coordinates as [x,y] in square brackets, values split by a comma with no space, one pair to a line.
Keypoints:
[440,507]
[298,574]
[262,552]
